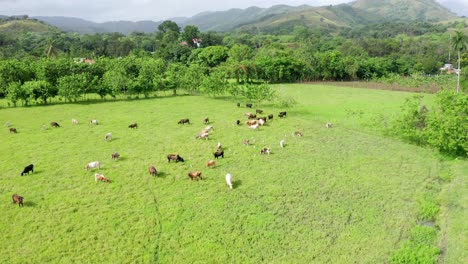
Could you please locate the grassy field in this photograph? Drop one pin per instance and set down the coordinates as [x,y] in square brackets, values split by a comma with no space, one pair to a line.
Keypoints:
[340,195]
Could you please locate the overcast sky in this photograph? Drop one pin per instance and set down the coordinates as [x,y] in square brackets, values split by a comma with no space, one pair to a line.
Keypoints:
[134,10]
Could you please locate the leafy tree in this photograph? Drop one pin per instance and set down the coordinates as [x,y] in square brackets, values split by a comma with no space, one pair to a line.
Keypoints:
[459,43]
[258,93]
[167,26]
[71,87]
[216,83]
[174,76]
[194,77]
[42,90]
[190,32]
[213,56]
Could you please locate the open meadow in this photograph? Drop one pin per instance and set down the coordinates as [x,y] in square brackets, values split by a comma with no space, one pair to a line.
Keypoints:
[345,194]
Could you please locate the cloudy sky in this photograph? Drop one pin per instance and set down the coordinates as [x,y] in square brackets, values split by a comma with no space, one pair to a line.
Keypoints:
[134,10]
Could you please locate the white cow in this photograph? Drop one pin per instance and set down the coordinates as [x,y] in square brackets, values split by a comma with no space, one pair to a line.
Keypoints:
[92,165]
[229,180]
[108,136]
[94,122]
[329,125]
[282,143]
[75,121]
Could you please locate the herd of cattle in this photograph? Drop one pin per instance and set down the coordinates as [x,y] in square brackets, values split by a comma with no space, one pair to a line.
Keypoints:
[253,122]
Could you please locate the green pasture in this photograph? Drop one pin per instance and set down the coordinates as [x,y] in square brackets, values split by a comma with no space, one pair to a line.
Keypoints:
[340,195]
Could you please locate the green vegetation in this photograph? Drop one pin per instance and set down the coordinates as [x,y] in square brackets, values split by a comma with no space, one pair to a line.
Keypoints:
[323,198]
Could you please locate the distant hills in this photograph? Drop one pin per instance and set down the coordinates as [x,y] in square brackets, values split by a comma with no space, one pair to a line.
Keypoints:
[277,18]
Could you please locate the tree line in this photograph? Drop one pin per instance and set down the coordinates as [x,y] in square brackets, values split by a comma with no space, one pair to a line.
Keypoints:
[39,66]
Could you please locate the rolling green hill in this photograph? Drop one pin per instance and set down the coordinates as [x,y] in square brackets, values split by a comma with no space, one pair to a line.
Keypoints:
[14,27]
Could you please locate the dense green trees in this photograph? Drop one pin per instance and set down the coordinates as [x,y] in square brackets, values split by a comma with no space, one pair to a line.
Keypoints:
[169,59]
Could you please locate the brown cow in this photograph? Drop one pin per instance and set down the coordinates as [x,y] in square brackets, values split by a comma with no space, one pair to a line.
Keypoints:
[17,199]
[54,124]
[298,133]
[100,177]
[134,125]
[195,174]
[174,157]
[152,170]
[206,120]
[115,155]
[211,163]
[13,130]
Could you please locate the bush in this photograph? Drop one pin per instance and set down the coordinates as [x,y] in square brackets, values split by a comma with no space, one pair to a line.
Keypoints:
[447,125]
[444,127]
[418,248]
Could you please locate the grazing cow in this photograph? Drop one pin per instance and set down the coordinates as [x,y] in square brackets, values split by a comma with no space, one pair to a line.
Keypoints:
[75,121]
[248,114]
[261,121]
[27,169]
[219,153]
[229,180]
[195,175]
[134,125]
[298,133]
[265,151]
[17,199]
[251,122]
[254,127]
[208,129]
[328,125]
[206,120]
[94,122]
[238,104]
[13,130]
[258,111]
[152,171]
[246,142]
[211,163]
[184,121]
[174,157]
[282,143]
[100,177]
[270,116]
[54,124]
[115,155]
[238,122]
[249,105]
[92,165]
[108,136]
[252,116]
[203,134]
[282,114]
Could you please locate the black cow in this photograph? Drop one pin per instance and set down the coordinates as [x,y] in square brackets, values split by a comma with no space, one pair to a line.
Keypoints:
[238,104]
[282,114]
[174,157]
[17,199]
[27,169]
[270,116]
[54,124]
[184,121]
[238,122]
[219,153]
[134,125]
[249,105]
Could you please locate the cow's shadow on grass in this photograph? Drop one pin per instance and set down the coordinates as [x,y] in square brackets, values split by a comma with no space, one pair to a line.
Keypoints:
[236,184]
[161,174]
[121,159]
[29,204]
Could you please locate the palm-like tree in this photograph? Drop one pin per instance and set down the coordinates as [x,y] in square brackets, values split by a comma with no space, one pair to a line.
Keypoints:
[459,43]
[51,50]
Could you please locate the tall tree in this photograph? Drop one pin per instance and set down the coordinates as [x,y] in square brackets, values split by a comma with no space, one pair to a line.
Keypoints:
[459,43]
